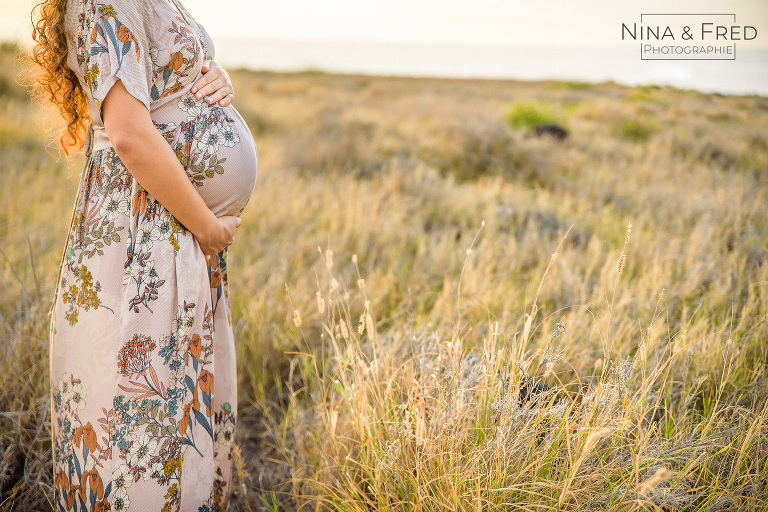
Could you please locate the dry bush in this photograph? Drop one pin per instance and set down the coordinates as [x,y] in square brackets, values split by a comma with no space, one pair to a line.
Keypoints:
[414,420]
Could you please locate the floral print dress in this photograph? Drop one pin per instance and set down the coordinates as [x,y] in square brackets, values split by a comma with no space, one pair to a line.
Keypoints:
[143,373]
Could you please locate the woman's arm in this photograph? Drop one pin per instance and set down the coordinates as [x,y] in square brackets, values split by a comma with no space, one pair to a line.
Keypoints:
[152,162]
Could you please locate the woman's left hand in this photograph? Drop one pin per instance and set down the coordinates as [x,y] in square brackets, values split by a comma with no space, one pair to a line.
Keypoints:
[215,84]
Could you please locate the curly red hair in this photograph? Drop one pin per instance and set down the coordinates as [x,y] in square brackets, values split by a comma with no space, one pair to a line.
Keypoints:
[55,82]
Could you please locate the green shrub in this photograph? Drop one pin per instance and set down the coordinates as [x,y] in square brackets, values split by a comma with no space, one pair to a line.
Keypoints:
[529,115]
[634,129]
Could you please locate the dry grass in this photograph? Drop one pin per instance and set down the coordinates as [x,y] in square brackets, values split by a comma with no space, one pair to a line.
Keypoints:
[401,387]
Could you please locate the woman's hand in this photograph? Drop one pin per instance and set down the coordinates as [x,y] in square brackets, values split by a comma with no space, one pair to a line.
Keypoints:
[215,84]
[219,235]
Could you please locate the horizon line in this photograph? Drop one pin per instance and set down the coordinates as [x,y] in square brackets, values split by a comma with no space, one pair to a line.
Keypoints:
[402,42]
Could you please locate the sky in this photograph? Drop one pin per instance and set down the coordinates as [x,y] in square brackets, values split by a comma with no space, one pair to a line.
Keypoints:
[537,22]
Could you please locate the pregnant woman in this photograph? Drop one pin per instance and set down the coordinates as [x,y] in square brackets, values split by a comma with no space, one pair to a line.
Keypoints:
[142,352]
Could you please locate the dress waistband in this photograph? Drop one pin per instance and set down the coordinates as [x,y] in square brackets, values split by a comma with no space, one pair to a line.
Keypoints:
[95,140]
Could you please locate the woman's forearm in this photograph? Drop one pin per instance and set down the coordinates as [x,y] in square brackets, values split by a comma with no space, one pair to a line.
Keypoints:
[151,161]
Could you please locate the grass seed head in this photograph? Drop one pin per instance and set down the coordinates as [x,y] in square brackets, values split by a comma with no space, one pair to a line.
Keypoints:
[662,475]
[344,330]
[361,324]
[296,318]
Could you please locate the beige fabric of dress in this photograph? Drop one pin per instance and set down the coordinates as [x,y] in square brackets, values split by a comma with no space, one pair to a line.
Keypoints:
[140,327]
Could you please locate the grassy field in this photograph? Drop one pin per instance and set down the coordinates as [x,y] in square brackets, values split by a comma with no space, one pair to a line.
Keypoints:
[416,265]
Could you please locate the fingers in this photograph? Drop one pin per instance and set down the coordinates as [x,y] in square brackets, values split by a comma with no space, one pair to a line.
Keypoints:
[231,219]
[232,223]
[210,252]
[215,85]
[211,71]
[224,238]
[216,91]
[208,77]
[220,95]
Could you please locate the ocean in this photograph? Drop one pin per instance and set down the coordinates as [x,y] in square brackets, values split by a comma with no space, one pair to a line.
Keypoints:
[747,74]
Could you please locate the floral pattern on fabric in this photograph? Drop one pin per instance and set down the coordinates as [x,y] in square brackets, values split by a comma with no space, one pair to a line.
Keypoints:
[144,388]
[197,140]
[144,424]
[168,78]
[110,44]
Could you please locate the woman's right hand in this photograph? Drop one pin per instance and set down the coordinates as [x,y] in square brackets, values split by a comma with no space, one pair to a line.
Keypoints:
[219,235]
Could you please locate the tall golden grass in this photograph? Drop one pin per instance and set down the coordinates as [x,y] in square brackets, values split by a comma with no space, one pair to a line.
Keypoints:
[438,310]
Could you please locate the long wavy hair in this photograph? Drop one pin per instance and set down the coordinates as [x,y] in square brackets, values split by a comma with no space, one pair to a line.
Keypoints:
[55,82]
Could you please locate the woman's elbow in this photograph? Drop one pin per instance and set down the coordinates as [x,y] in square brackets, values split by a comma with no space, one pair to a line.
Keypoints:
[123,140]
[132,139]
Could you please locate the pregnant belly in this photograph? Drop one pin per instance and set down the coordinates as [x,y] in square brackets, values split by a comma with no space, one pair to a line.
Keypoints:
[216,149]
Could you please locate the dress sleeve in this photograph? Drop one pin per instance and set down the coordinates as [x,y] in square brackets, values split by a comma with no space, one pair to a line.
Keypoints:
[119,50]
